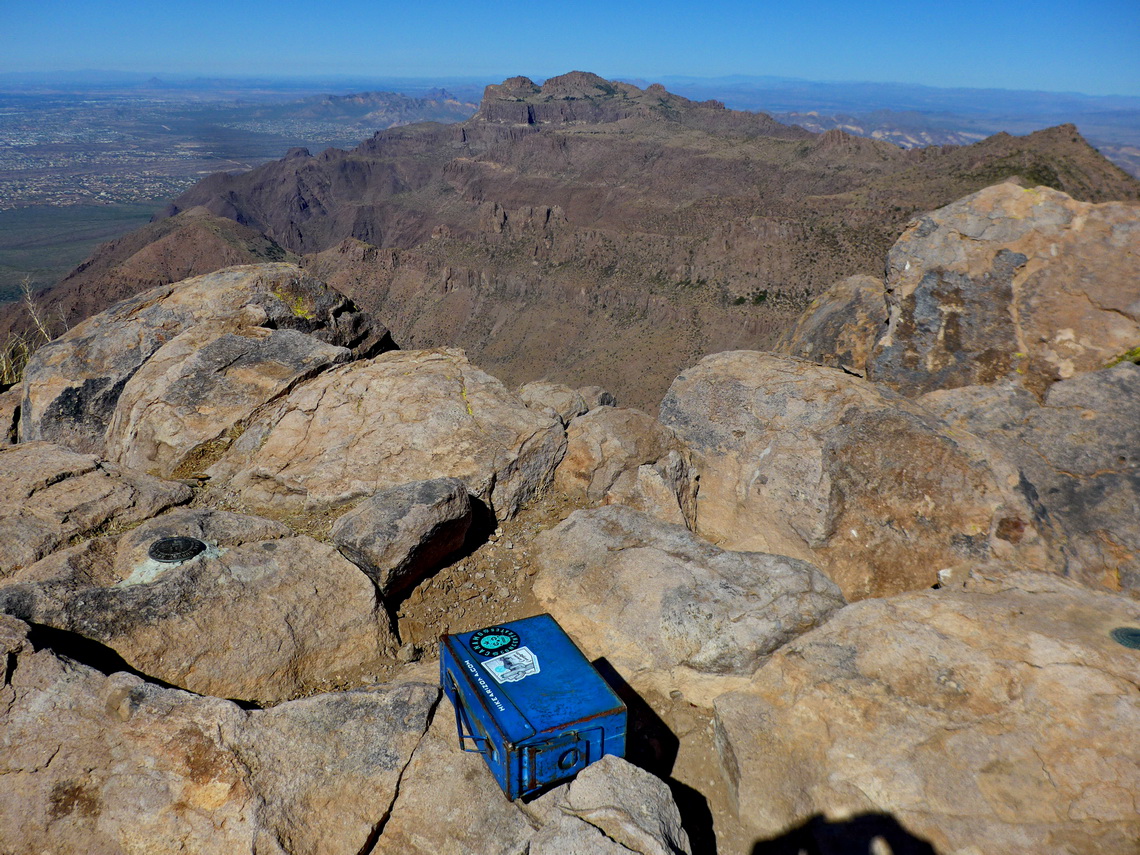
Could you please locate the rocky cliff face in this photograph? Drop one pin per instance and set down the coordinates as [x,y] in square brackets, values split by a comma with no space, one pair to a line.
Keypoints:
[840,612]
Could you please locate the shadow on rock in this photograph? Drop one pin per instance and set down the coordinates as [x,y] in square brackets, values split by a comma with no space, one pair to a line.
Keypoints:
[651,745]
[856,836]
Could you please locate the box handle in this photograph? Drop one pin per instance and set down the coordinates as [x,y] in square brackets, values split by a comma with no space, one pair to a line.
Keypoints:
[463,726]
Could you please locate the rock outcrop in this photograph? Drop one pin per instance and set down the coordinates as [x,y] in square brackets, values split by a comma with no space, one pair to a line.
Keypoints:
[194,391]
[615,454]
[1078,451]
[1024,285]
[807,461]
[398,536]
[667,609]
[258,615]
[400,417]
[72,385]
[122,765]
[50,495]
[998,718]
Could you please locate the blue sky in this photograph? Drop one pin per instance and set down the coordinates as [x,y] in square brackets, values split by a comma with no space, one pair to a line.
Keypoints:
[1090,46]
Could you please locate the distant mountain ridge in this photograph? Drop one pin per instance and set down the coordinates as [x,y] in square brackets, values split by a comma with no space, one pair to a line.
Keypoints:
[589,230]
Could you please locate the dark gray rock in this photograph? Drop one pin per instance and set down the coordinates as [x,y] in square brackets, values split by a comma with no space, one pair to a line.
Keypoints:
[1079,452]
[401,535]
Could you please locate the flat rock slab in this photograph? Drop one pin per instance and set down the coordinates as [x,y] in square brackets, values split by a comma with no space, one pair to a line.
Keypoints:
[400,535]
[999,718]
[403,416]
[72,385]
[50,495]
[665,608]
[617,454]
[1080,450]
[804,460]
[95,763]
[258,615]
[176,413]
[1029,286]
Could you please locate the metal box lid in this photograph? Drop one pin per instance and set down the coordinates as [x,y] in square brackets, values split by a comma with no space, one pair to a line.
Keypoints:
[532,678]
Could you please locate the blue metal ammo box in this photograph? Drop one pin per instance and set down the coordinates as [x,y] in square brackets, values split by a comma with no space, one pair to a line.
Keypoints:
[528,700]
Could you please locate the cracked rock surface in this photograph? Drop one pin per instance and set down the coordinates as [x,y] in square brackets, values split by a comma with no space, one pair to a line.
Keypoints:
[1025,285]
[1080,451]
[401,417]
[808,461]
[667,609]
[122,765]
[259,615]
[49,495]
[998,717]
[72,385]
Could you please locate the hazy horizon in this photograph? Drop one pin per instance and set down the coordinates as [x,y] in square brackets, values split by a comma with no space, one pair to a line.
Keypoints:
[1046,46]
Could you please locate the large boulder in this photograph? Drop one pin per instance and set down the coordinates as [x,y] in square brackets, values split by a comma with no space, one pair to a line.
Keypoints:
[398,536]
[1080,451]
[110,764]
[72,385]
[258,615]
[50,496]
[615,454]
[1000,718]
[808,461]
[841,326]
[1029,286]
[176,414]
[667,609]
[403,416]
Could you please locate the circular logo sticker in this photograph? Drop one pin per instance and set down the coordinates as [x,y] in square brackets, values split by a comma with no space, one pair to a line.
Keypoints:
[494,640]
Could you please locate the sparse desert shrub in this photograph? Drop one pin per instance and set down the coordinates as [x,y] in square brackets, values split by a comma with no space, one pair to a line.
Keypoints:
[19,347]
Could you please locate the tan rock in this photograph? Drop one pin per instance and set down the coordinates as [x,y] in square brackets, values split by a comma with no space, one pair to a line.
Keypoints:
[1000,718]
[398,536]
[841,326]
[668,610]
[403,416]
[807,461]
[258,615]
[72,385]
[110,764]
[1026,285]
[49,495]
[183,403]
[449,804]
[616,454]
[560,398]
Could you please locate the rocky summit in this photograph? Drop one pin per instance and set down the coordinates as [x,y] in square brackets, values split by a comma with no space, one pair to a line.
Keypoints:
[876,590]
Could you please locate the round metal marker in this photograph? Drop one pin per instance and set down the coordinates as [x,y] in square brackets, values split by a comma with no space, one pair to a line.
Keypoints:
[1129,636]
[171,550]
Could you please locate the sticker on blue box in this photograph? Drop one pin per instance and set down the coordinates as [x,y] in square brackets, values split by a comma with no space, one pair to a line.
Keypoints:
[512,666]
